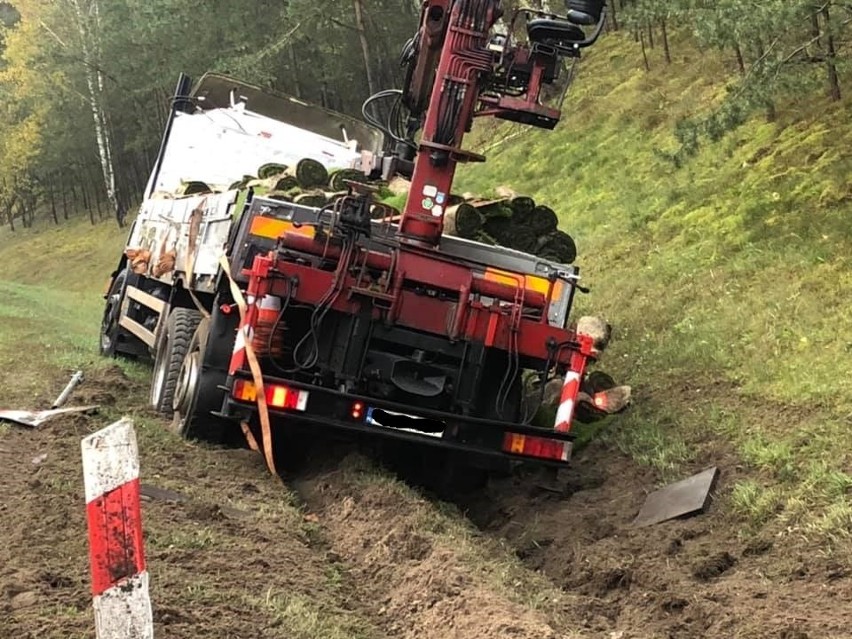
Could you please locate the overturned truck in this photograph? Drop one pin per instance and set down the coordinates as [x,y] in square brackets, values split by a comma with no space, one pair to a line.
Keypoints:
[267,313]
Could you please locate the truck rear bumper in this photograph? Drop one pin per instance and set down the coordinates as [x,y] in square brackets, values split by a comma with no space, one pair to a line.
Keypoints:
[332,412]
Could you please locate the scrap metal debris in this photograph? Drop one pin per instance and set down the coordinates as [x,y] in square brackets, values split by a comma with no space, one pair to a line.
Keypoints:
[34,419]
[686,497]
[66,392]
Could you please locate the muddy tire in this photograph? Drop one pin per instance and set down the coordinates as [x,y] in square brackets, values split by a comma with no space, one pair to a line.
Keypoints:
[180,328]
[110,330]
[199,391]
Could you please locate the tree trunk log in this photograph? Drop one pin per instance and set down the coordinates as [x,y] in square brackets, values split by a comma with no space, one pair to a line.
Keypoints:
[365,46]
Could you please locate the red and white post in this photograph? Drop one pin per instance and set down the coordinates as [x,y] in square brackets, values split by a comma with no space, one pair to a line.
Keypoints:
[571,384]
[119,578]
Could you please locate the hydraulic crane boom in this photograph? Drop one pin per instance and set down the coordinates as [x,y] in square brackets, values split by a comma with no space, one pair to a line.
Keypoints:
[459,68]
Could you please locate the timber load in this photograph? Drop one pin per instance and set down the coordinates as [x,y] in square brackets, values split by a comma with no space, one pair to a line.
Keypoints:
[510,220]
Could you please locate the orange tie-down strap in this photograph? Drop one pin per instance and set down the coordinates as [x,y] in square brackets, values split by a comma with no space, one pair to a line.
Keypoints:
[262,409]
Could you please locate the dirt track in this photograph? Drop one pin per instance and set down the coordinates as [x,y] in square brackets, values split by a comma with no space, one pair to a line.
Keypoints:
[343,550]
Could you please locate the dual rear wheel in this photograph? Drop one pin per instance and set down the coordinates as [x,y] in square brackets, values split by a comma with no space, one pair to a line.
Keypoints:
[189,371]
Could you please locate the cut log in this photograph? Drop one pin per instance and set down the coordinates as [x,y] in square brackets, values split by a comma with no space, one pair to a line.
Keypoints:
[468,221]
[522,238]
[499,209]
[193,187]
[285,183]
[542,220]
[558,247]
[399,186]
[484,238]
[269,170]
[450,221]
[309,173]
[241,184]
[500,228]
[522,206]
[316,199]
[338,177]
[284,196]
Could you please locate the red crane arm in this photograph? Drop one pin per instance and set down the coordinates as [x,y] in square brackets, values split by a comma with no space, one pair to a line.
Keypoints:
[462,30]
[460,69]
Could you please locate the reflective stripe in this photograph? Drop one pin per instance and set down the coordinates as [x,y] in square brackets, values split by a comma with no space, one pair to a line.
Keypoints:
[565,412]
[116,553]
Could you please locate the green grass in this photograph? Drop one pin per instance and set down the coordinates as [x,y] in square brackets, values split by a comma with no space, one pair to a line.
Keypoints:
[52,290]
[727,280]
[299,617]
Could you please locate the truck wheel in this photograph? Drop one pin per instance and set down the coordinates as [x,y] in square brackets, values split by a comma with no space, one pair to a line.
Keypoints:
[109,323]
[180,328]
[198,392]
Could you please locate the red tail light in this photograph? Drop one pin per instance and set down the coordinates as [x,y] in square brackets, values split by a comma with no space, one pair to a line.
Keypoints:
[541,447]
[277,395]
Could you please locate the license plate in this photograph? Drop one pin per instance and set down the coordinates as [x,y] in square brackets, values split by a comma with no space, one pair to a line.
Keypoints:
[369,419]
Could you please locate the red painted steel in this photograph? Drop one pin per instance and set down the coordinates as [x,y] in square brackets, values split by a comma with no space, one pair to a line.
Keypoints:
[454,96]
[487,324]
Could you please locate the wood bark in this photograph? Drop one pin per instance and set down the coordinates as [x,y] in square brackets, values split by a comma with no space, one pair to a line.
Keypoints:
[297,87]
[665,36]
[51,186]
[644,52]
[740,62]
[365,46]
[64,191]
[831,56]
[89,40]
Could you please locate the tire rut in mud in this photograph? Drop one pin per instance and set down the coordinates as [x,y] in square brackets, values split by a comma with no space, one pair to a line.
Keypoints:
[233,556]
[414,563]
[680,579]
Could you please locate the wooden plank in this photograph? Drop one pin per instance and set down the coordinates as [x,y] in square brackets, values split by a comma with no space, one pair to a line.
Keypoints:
[146,298]
[138,330]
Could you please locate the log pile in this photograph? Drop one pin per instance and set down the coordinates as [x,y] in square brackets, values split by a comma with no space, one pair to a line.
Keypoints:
[307,183]
[510,220]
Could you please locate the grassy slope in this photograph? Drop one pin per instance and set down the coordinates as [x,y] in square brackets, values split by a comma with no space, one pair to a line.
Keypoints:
[727,280]
[52,290]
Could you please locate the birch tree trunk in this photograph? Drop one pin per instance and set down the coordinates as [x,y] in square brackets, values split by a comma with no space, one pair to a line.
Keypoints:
[87,26]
